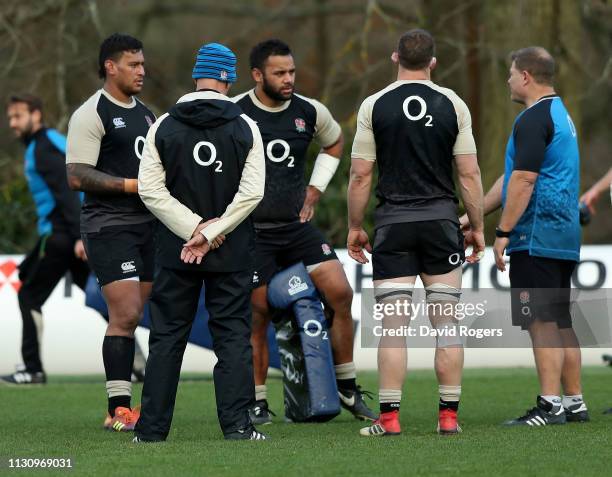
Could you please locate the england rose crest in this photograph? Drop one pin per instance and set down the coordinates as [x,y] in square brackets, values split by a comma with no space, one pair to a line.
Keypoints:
[300,125]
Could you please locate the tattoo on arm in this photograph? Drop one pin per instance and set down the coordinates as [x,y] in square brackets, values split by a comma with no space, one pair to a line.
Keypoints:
[86,178]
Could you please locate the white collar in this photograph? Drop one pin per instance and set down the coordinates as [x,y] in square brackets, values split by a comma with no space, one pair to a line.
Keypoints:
[202,95]
[114,100]
[260,105]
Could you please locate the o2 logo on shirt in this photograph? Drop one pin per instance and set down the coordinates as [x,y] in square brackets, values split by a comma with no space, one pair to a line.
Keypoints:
[213,155]
[284,155]
[139,147]
[422,111]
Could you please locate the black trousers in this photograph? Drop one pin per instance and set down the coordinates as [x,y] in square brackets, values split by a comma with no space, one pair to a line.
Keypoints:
[173,306]
[39,273]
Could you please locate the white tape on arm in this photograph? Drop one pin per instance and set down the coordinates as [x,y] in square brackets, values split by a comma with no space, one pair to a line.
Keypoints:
[323,171]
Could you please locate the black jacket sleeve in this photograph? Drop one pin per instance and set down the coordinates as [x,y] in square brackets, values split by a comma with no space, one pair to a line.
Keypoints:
[51,165]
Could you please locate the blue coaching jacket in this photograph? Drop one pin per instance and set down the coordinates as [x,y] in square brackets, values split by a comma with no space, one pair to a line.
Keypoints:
[544,140]
[57,207]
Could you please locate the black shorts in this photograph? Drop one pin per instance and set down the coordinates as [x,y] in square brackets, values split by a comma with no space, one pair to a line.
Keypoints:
[540,289]
[281,247]
[434,247]
[118,252]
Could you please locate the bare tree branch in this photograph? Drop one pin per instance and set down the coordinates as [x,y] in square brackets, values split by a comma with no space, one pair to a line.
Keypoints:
[215,9]
[10,64]
[94,14]
[458,10]
[60,68]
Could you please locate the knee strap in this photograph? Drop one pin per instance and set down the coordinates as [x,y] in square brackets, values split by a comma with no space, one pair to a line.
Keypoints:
[393,290]
[441,292]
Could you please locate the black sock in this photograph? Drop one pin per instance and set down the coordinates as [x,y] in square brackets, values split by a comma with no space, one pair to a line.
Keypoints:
[118,356]
[118,401]
[454,405]
[389,406]
[350,383]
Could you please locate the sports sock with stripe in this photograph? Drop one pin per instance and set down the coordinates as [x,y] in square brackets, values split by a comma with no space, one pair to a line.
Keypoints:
[449,397]
[118,356]
[261,392]
[389,399]
[346,375]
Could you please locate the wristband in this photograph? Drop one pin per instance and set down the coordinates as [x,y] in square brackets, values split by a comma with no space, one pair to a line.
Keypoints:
[502,233]
[324,168]
[130,186]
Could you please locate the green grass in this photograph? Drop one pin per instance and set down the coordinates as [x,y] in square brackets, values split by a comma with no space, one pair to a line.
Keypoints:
[64,419]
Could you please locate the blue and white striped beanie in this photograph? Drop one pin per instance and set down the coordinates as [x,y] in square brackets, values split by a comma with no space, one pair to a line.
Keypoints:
[215,61]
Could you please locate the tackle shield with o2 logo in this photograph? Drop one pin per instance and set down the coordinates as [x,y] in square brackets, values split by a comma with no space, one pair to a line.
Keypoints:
[309,380]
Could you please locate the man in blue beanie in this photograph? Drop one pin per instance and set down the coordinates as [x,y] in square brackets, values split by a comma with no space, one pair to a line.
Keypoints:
[202,174]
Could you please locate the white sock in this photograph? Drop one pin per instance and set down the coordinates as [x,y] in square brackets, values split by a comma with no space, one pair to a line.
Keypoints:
[345,371]
[571,400]
[118,388]
[261,392]
[449,393]
[552,399]
[389,395]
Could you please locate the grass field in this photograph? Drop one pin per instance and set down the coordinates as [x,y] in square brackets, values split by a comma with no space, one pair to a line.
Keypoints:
[64,418]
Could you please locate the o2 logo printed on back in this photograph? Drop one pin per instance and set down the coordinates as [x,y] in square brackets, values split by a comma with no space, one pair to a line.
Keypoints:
[213,155]
[284,155]
[139,144]
[422,110]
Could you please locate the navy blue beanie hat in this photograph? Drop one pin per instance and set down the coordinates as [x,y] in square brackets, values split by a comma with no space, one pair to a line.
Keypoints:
[215,61]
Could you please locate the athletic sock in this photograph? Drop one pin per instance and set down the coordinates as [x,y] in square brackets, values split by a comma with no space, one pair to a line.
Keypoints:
[452,405]
[552,400]
[261,392]
[118,401]
[389,399]
[389,406]
[449,397]
[118,356]
[568,401]
[346,376]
